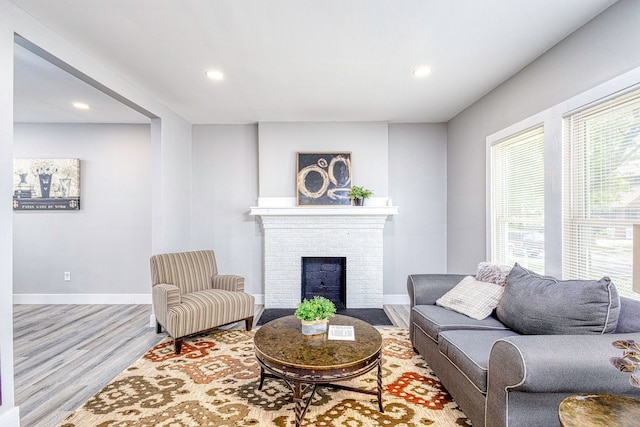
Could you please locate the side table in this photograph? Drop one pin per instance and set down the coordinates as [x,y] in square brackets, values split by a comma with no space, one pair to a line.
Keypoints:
[595,410]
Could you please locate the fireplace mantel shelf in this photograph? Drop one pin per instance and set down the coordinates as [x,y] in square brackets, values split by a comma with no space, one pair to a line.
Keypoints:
[325,211]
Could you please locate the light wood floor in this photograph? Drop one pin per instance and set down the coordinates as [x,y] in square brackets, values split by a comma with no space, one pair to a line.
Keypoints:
[64,354]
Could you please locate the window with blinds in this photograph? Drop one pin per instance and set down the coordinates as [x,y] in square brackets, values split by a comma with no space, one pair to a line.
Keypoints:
[601,191]
[517,200]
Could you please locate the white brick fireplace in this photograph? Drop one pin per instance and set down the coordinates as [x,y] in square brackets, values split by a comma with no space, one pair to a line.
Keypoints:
[291,233]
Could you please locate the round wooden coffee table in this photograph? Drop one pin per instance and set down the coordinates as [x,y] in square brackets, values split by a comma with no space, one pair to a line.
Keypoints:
[308,361]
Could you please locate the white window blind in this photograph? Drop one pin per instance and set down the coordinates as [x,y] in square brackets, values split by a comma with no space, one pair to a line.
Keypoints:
[601,191]
[517,200]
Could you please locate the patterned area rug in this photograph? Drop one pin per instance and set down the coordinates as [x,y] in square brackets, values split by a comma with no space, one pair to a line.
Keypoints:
[214,383]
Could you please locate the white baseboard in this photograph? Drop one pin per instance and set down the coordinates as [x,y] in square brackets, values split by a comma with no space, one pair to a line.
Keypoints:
[82,298]
[11,418]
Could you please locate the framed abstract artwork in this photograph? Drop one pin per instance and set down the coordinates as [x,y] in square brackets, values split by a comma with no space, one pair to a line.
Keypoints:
[46,184]
[323,178]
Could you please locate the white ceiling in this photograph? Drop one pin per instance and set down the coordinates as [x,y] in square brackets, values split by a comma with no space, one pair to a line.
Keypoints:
[292,60]
[45,93]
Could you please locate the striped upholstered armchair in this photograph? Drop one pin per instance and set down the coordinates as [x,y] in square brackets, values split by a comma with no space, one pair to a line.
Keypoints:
[189,296]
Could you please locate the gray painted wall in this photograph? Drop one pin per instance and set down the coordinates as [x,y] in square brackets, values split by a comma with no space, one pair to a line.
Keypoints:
[225,185]
[279,143]
[106,244]
[601,50]
[415,240]
[171,192]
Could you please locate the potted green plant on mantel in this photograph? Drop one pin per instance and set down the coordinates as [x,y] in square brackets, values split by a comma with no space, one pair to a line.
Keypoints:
[358,194]
[314,314]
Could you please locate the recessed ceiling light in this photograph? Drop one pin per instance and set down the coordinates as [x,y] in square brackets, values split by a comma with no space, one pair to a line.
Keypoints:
[214,74]
[81,106]
[422,71]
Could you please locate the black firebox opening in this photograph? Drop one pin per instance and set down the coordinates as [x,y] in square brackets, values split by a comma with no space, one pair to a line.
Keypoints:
[327,277]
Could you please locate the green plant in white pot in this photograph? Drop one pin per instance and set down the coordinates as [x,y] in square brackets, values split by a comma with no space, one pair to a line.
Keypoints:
[358,194]
[314,314]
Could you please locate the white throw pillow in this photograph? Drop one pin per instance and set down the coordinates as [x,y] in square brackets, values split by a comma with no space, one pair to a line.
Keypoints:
[472,298]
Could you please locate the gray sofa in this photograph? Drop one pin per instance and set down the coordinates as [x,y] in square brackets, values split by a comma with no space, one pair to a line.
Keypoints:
[499,377]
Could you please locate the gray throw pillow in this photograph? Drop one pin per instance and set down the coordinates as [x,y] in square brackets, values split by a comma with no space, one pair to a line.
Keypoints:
[538,305]
[493,273]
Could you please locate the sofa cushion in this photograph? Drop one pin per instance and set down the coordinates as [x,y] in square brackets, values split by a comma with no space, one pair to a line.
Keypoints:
[629,318]
[469,352]
[535,305]
[433,320]
[472,298]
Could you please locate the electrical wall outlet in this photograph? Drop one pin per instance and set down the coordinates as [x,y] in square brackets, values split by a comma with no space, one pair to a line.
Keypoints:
[67,276]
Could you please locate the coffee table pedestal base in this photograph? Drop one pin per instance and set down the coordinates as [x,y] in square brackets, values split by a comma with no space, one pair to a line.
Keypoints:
[299,386]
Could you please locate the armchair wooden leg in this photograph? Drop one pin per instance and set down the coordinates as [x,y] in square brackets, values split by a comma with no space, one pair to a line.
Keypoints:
[249,323]
[158,327]
[177,344]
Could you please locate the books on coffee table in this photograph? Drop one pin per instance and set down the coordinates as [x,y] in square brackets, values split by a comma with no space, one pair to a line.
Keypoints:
[341,332]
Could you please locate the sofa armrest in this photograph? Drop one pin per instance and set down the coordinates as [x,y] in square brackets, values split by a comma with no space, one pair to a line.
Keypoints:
[564,364]
[228,282]
[164,296]
[425,289]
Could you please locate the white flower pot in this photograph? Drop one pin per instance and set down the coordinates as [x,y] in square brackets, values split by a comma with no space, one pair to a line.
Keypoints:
[314,327]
